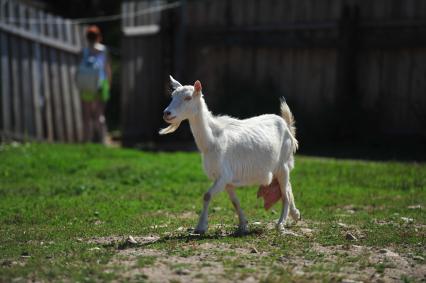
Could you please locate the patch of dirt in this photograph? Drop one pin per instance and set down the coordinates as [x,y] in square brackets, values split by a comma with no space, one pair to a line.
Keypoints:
[372,264]
[203,264]
[205,261]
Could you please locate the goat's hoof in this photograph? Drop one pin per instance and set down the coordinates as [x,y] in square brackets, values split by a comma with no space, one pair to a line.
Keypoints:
[296,215]
[280,228]
[199,231]
[241,231]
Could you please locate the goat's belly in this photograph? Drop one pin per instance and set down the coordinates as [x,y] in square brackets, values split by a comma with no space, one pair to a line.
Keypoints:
[239,177]
[254,179]
[245,172]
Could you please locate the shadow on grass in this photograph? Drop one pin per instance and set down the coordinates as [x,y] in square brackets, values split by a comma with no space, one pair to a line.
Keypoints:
[187,237]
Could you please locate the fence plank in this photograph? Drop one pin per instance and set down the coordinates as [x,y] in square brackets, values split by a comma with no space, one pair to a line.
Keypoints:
[79,33]
[3,11]
[77,36]
[21,9]
[48,101]
[5,87]
[12,8]
[66,96]
[15,72]
[5,90]
[125,93]
[124,64]
[124,13]
[14,56]
[140,77]
[74,94]
[83,41]
[417,99]
[46,85]
[27,103]
[286,77]
[55,84]
[131,77]
[36,80]
[156,16]
[76,102]
[140,19]
[131,15]
[237,7]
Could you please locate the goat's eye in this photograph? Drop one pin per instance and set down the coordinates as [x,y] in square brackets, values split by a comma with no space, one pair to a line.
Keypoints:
[188,98]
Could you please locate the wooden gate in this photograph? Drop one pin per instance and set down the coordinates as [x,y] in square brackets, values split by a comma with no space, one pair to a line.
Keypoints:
[39,52]
[350,69]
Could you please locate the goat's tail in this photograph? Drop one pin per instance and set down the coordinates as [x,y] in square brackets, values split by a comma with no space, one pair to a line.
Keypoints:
[289,118]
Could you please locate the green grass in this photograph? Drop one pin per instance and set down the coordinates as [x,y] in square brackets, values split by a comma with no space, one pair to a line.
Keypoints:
[146,261]
[55,197]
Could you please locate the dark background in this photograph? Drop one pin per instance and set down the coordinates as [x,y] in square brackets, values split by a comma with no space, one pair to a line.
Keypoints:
[238,48]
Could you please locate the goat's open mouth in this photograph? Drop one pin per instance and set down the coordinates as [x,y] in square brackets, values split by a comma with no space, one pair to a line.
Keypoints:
[168,119]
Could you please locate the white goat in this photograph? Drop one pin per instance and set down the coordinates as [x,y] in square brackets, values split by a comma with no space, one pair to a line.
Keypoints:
[254,151]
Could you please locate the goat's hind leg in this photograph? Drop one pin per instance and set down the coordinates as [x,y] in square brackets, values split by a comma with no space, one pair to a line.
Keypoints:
[294,212]
[242,227]
[283,179]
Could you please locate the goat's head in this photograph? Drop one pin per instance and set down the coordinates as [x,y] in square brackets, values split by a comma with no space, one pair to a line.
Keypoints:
[186,101]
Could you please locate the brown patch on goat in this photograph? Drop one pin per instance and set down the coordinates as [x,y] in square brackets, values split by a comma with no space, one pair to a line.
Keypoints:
[207,196]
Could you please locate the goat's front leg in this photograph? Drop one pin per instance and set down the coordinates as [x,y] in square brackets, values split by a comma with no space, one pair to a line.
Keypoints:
[242,227]
[218,186]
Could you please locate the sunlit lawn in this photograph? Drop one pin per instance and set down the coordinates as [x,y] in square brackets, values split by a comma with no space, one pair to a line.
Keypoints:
[55,197]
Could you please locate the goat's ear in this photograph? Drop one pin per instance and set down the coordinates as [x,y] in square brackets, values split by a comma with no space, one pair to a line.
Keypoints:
[197,87]
[174,83]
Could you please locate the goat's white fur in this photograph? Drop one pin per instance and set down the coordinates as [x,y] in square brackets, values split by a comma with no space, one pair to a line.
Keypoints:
[237,152]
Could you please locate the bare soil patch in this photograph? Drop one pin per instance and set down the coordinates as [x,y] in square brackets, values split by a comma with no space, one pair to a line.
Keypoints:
[201,261]
[371,264]
[206,264]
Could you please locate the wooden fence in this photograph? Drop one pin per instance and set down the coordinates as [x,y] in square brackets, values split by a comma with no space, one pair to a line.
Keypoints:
[348,68]
[39,99]
[144,66]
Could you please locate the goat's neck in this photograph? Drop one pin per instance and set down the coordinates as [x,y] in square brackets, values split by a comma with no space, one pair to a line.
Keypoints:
[201,127]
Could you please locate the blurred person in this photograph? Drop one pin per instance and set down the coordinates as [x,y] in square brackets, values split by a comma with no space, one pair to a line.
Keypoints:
[94,81]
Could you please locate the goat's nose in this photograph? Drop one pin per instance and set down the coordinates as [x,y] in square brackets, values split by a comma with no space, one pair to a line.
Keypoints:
[167,113]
